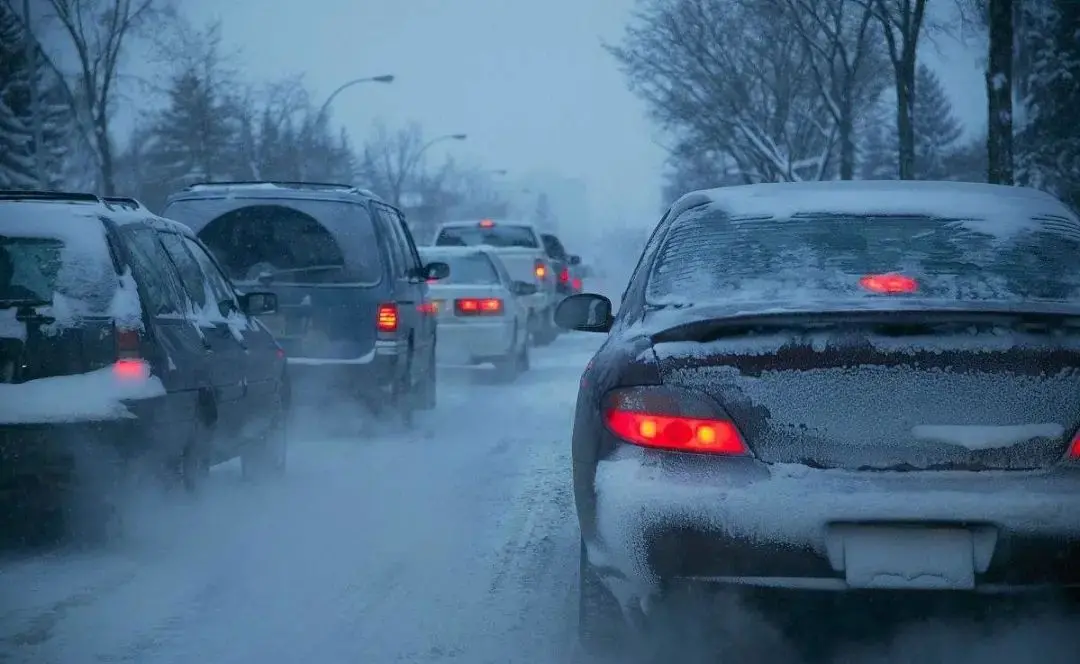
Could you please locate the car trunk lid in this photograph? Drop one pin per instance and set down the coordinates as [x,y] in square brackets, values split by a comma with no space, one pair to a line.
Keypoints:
[889,390]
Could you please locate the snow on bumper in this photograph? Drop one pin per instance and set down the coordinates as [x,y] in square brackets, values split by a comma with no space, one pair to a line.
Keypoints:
[766,523]
[95,396]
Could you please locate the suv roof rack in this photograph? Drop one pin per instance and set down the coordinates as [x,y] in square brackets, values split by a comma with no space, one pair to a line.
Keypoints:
[275,183]
[69,196]
[124,201]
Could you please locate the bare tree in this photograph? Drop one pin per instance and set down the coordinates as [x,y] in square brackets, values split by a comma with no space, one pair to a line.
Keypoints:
[391,161]
[727,76]
[99,31]
[846,63]
[901,23]
[999,93]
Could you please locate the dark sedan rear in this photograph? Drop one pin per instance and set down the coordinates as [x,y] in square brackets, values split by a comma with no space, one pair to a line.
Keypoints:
[836,386]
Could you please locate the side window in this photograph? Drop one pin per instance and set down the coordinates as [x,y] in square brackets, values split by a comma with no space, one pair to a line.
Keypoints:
[389,239]
[398,244]
[152,270]
[187,267]
[504,276]
[410,243]
[220,288]
[651,246]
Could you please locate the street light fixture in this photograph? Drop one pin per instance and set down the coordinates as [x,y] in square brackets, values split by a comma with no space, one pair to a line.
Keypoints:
[385,78]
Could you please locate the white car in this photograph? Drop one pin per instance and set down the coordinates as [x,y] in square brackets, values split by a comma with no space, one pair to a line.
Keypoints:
[519,247]
[481,312]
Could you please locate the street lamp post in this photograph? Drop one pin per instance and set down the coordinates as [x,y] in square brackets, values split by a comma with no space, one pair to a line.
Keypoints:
[408,168]
[387,78]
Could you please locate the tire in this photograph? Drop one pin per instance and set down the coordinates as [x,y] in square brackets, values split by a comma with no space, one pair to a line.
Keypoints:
[508,367]
[546,330]
[193,466]
[524,363]
[601,627]
[404,397]
[429,393]
[267,458]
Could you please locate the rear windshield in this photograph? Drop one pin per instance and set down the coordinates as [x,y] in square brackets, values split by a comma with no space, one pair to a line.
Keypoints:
[710,257]
[495,236]
[35,269]
[553,247]
[296,241]
[473,269]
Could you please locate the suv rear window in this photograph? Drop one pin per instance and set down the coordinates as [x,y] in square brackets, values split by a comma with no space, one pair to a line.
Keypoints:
[42,267]
[474,269]
[493,236]
[553,247]
[298,241]
[713,258]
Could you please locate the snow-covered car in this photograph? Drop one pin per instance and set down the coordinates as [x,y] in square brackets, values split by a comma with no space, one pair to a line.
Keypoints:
[480,309]
[519,247]
[834,386]
[123,345]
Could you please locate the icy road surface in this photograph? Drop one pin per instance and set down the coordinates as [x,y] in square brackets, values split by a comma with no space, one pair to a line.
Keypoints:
[456,543]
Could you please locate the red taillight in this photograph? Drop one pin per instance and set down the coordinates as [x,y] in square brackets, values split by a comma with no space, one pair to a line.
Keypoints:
[540,270]
[889,283]
[577,284]
[129,363]
[1074,448]
[387,318]
[682,434]
[430,308]
[489,306]
[564,276]
[486,223]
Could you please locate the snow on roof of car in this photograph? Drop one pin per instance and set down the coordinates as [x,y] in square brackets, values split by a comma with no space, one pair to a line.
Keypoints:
[76,224]
[993,209]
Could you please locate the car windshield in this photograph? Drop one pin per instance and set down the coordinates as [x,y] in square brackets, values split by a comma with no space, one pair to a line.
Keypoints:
[471,269]
[711,257]
[494,236]
[296,241]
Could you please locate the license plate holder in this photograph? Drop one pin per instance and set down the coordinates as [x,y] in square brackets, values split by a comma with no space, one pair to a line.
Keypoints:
[909,558]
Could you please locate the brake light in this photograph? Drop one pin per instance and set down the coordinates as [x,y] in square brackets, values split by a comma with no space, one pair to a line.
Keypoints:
[490,306]
[541,270]
[564,276]
[486,223]
[387,318]
[129,364]
[1074,448]
[431,308]
[682,434]
[577,284]
[889,283]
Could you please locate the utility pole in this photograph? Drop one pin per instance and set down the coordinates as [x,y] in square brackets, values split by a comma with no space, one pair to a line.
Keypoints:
[32,61]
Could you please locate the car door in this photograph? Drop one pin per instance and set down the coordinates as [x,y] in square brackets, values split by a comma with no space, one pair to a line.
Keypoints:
[425,324]
[181,358]
[227,347]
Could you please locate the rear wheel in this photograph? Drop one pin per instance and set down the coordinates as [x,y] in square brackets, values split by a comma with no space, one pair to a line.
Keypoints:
[193,466]
[429,390]
[267,457]
[508,367]
[404,393]
[546,329]
[601,627]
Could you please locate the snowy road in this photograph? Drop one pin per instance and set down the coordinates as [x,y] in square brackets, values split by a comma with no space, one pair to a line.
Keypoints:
[453,544]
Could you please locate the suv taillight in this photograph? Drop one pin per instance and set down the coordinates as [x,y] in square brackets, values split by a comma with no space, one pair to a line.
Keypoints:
[386,320]
[540,269]
[564,276]
[129,364]
[1074,448]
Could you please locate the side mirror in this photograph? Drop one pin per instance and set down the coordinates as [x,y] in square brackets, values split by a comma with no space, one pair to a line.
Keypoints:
[523,288]
[585,312]
[258,304]
[574,259]
[436,271]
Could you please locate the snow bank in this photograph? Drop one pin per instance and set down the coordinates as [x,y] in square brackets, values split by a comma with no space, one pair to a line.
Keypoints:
[94,396]
[791,505]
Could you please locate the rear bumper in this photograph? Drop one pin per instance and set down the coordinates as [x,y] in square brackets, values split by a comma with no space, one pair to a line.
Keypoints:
[374,371]
[658,518]
[473,342]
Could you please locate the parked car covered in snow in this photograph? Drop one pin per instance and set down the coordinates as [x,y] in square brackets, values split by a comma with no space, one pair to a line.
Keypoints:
[123,346]
[833,386]
[480,310]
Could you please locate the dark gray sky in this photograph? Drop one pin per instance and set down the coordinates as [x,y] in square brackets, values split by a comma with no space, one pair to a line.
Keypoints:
[526,79]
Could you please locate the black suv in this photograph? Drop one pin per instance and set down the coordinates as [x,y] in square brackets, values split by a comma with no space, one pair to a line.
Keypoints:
[122,341]
[354,309]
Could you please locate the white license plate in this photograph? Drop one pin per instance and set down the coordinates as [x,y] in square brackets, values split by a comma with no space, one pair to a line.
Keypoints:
[909,558]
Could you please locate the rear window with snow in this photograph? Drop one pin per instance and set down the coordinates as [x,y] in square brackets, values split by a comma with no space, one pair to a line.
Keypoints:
[471,269]
[499,235]
[711,257]
[297,241]
[43,269]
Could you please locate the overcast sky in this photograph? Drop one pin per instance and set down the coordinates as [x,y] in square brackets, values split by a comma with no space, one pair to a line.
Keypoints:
[527,80]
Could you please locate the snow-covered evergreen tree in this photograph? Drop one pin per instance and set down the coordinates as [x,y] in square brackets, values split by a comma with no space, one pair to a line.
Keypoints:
[937,131]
